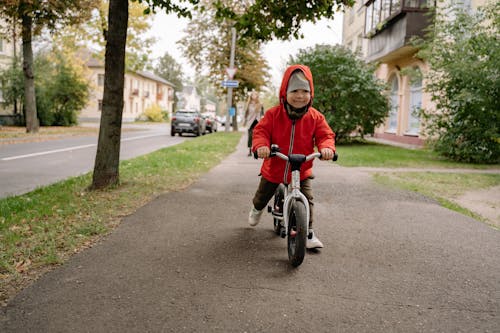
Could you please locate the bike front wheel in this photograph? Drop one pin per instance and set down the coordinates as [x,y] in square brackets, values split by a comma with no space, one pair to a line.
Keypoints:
[297,233]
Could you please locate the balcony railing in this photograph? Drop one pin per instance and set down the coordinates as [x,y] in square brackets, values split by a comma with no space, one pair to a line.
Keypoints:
[390,25]
[381,12]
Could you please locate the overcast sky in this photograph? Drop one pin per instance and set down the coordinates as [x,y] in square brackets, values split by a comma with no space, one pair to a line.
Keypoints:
[168,29]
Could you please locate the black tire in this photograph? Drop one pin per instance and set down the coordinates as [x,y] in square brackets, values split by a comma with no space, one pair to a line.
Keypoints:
[172,131]
[279,197]
[297,222]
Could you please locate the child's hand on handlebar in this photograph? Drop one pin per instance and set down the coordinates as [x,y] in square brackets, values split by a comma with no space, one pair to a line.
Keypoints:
[263,152]
[326,154]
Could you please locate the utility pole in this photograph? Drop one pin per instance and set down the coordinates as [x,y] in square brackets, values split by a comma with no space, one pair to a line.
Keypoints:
[230,89]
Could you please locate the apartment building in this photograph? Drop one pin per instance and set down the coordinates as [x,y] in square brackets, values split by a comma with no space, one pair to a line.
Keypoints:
[141,91]
[381,30]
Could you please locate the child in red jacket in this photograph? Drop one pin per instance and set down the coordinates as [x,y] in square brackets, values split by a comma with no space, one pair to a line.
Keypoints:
[296,127]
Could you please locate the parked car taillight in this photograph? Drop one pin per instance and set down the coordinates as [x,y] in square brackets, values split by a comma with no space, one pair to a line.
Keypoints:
[174,119]
[197,120]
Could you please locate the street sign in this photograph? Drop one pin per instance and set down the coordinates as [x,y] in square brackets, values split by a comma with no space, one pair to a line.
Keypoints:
[230,72]
[230,84]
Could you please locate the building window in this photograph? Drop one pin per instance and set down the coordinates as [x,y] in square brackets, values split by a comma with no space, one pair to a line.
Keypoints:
[100,80]
[393,114]
[415,105]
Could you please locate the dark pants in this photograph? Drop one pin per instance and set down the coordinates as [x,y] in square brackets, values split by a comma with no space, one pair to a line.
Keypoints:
[266,190]
[250,133]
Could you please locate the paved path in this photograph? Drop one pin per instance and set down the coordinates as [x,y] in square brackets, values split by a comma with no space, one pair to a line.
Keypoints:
[393,261]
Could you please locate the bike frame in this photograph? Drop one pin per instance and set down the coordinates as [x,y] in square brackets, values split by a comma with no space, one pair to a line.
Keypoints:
[292,190]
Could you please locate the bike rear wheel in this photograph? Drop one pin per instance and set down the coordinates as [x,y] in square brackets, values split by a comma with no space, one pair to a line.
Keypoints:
[297,233]
[279,197]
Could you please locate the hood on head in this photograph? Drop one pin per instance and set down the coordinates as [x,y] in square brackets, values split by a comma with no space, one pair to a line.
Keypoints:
[286,77]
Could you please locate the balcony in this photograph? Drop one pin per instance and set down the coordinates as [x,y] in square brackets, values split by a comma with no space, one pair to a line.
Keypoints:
[390,25]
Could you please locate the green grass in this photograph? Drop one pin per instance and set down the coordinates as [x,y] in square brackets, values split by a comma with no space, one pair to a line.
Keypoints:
[383,156]
[46,226]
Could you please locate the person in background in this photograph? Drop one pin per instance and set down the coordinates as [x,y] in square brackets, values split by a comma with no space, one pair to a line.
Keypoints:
[296,127]
[253,112]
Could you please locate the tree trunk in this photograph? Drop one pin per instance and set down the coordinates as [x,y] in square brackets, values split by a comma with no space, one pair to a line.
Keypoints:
[32,124]
[107,161]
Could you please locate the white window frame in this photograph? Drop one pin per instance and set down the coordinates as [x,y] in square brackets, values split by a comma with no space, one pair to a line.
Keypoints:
[392,122]
[415,106]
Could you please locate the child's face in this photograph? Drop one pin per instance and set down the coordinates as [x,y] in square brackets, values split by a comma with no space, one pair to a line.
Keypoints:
[298,98]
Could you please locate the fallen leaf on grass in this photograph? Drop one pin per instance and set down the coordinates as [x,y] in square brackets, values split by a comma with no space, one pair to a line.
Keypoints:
[22,266]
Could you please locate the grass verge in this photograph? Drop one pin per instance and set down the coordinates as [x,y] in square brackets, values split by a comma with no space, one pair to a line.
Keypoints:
[384,156]
[43,228]
[442,186]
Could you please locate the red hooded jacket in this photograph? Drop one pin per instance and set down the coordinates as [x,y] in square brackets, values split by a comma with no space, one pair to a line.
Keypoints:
[297,137]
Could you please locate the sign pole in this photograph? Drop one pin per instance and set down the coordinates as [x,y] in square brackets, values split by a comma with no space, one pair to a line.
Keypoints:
[230,89]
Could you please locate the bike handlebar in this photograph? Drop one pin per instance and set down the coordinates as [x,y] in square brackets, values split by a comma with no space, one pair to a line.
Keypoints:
[275,151]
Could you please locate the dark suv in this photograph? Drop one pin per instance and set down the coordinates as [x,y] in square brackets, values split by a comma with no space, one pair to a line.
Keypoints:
[184,121]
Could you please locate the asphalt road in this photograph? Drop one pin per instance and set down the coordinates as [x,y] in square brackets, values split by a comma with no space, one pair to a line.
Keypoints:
[393,261]
[26,166]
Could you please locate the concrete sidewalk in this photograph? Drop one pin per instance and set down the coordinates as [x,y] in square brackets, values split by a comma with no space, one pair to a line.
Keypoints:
[393,261]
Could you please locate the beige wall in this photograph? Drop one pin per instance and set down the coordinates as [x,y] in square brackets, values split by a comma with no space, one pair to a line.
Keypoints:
[398,70]
[353,27]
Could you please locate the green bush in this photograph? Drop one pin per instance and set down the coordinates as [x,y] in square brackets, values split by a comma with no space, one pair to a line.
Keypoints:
[154,113]
[345,90]
[464,81]
[61,90]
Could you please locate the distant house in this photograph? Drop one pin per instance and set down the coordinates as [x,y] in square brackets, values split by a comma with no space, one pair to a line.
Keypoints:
[210,107]
[141,91]
[189,99]
[8,115]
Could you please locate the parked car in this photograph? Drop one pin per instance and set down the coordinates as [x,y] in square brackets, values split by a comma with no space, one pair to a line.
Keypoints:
[187,121]
[211,124]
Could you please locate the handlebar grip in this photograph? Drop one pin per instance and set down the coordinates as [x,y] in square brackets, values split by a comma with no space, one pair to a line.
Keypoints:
[335,157]
[255,156]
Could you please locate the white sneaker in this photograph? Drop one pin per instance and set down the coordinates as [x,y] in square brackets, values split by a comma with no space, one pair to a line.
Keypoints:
[254,216]
[312,241]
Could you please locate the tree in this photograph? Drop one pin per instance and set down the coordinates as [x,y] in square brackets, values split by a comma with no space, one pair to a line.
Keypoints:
[94,31]
[169,69]
[62,88]
[33,16]
[12,84]
[207,46]
[264,20]
[345,90]
[106,168]
[464,81]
